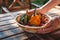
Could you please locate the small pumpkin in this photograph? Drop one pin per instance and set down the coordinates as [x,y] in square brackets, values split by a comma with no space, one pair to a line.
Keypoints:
[24,19]
[35,20]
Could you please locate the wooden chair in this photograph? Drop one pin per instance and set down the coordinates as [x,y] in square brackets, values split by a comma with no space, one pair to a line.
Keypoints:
[22,5]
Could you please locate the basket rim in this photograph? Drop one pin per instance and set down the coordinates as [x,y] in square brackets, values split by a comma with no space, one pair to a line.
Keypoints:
[27,26]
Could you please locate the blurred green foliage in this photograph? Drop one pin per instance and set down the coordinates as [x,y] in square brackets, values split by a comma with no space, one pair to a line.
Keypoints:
[40,2]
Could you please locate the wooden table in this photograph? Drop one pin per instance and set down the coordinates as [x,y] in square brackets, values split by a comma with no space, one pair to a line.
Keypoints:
[9,30]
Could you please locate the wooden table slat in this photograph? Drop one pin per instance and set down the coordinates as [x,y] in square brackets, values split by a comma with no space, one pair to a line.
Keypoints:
[10,32]
[7,22]
[4,15]
[17,37]
[6,18]
[7,27]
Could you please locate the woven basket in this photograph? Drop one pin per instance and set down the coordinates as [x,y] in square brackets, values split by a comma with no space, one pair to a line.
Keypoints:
[50,26]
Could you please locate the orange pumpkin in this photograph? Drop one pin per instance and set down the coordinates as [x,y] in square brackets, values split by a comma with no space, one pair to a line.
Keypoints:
[35,20]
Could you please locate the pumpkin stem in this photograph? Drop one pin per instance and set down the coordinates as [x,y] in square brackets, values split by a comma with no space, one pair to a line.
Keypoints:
[35,11]
[26,11]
